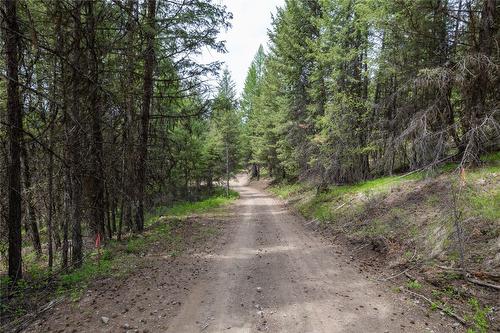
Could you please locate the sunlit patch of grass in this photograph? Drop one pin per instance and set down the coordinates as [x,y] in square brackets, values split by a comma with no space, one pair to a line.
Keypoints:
[188,208]
[490,164]
[183,209]
[492,158]
[486,204]
[285,191]
[75,282]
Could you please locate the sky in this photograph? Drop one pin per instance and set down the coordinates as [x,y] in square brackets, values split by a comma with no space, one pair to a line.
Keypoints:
[251,19]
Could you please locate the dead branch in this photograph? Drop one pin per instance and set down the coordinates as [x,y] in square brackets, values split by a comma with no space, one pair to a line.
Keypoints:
[484,284]
[446,311]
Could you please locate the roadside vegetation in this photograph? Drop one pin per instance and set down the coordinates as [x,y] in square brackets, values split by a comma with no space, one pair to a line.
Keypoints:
[164,232]
[409,223]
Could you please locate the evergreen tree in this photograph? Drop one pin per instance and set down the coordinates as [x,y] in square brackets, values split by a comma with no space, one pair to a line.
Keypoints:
[223,143]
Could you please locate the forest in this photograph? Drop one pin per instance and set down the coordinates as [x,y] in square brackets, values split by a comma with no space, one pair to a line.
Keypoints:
[351,90]
[107,111]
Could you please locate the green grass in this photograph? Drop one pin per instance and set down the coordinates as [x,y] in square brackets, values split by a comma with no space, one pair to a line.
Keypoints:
[479,320]
[415,285]
[188,208]
[492,158]
[329,205]
[285,191]
[486,204]
[377,185]
[75,282]
[183,209]
[324,206]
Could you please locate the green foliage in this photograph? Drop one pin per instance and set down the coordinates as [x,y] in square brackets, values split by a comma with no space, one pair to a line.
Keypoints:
[216,199]
[414,284]
[352,90]
[479,320]
[485,203]
[222,148]
[77,281]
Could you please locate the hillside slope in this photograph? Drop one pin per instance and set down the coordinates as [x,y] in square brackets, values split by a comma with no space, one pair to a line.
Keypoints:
[406,227]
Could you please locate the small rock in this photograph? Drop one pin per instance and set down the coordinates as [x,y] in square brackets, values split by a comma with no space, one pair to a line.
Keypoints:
[105,320]
[259,289]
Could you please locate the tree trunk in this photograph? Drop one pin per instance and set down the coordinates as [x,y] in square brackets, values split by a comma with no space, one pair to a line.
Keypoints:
[108,214]
[113,214]
[480,85]
[75,136]
[128,173]
[120,222]
[30,207]
[12,44]
[66,212]
[97,174]
[227,170]
[146,106]
[50,180]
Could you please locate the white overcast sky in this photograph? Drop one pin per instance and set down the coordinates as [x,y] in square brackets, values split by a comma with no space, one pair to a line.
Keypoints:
[251,19]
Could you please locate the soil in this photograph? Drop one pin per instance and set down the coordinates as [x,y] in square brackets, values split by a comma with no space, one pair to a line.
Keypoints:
[264,272]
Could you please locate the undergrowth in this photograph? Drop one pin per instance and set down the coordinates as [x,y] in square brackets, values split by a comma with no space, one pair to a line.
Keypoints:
[116,259]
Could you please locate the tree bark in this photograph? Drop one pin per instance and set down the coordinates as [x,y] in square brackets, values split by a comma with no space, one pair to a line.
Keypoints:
[480,85]
[50,190]
[146,106]
[75,136]
[96,148]
[30,207]
[227,169]
[127,173]
[12,44]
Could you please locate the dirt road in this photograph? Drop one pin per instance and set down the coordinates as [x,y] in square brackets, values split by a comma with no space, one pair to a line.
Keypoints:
[265,273]
[276,276]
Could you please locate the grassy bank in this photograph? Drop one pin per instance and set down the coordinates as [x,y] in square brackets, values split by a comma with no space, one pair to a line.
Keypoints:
[381,206]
